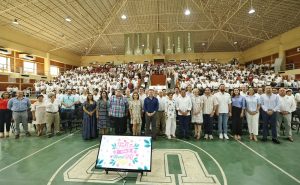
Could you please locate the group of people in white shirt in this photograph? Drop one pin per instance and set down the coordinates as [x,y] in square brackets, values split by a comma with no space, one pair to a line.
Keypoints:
[132,76]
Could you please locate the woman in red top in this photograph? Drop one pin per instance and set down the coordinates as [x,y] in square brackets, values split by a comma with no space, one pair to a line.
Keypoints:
[5,114]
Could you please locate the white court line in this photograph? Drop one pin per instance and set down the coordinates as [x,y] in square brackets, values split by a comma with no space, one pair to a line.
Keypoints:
[219,166]
[270,162]
[2,169]
[56,172]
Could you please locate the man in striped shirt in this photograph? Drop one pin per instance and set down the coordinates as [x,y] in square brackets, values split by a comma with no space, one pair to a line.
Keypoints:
[118,111]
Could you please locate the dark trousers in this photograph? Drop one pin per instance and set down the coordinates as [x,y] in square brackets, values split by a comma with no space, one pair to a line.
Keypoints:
[184,126]
[143,121]
[208,124]
[119,125]
[67,115]
[269,120]
[5,119]
[236,121]
[151,120]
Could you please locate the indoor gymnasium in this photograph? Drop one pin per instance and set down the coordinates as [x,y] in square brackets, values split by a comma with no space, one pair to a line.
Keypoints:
[150,92]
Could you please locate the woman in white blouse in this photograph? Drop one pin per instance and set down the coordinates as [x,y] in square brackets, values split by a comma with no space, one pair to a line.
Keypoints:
[252,113]
[170,112]
[38,114]
[197,117]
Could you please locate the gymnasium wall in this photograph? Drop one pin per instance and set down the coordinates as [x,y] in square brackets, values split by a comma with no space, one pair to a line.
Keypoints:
[277,45]
[223,57]
[18,41]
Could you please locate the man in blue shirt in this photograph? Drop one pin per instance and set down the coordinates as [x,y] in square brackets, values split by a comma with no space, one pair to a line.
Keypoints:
[269,105]
[150,109]
[19,106]
[68,109]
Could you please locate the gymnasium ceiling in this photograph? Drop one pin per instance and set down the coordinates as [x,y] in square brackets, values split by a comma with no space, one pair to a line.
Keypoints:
[96,27]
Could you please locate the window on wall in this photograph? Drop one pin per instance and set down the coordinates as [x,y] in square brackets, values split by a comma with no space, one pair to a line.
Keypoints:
[54,71]
[4,64]
[29,67]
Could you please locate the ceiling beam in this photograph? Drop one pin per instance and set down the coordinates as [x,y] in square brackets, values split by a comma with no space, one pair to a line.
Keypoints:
[243,35]
[115,10]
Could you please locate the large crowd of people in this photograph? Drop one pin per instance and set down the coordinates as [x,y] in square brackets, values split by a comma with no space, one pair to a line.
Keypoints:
[120,100]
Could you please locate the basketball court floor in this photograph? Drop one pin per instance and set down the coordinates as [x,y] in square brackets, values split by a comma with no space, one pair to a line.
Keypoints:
[67,159]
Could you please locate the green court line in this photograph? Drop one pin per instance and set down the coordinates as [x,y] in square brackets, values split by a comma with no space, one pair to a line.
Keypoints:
[270,162]
[28,156]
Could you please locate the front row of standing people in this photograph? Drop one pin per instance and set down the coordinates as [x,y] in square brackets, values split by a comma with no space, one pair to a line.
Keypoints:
[159,112]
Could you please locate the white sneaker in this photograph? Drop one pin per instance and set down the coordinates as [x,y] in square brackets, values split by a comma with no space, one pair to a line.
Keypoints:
[205,136]
[169,137]
[221,136]
[211,137]
[226,137]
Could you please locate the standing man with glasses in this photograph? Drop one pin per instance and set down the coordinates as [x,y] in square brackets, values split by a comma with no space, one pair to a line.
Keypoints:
[19,106]
[118,111]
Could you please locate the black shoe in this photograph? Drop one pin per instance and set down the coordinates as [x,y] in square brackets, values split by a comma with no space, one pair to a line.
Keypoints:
[264,139]
[17,136]
[187,138]
[276,141]
[28,134]
[50,135]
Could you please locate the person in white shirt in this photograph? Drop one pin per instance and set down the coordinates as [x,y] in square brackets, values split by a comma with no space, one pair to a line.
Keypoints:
[243,91]
[197,117]
[52,115]
[297,98]
[284,114]
[96,95]
[224,111]
[210,104]
[83,97]
[170,112]
[38,110]
[146,79]
[184,107]
[169,82]
[160,116]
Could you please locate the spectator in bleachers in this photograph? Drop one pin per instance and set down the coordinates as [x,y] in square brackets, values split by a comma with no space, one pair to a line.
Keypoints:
[5,115]
[89,129]
[19,106]
[38,110]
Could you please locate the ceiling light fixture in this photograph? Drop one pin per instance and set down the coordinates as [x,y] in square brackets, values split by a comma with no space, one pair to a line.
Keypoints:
[123,17]
[187,12]
[203,43]
[15,21]
[235,42]
[68,19]
[252,10]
